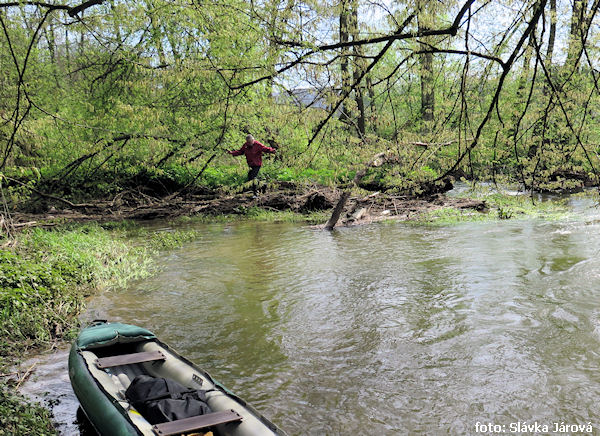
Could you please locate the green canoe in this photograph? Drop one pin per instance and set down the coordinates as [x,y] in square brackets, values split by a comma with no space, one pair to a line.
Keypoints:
[104,359]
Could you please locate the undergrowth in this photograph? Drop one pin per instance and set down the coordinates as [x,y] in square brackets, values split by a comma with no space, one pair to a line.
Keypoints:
[19,418]
[45,276]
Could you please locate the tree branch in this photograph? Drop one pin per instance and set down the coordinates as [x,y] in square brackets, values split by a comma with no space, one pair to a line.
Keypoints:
[71,10]
[396,36]
[505,70]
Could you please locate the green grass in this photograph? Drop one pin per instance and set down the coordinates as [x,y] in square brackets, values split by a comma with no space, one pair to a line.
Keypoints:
[450,215]
[500,206]
[257,214]
[44,279]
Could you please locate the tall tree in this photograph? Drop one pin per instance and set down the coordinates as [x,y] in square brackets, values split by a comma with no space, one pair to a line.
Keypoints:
[358,70]
[424,17]
[551,35]
[344,37]
[582,15]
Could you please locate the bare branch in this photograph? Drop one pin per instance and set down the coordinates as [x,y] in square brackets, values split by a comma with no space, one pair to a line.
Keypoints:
[71,10]
[396,36]
[506,69]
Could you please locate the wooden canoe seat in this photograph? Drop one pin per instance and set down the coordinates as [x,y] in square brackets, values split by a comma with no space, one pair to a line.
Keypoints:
[127,359]
[196,423]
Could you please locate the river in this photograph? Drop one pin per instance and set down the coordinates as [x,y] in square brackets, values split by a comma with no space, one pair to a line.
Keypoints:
[387,329]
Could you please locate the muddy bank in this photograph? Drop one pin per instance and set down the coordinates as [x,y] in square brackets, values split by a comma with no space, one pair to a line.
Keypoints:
[282,196]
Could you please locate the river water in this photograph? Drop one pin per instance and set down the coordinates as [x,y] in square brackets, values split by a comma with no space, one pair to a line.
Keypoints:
[388,329]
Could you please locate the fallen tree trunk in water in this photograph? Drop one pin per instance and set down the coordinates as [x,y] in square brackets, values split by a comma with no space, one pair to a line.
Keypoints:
[378,160]
[337,211]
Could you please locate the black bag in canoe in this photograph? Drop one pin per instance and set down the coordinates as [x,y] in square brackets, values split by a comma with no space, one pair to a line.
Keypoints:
[162,400]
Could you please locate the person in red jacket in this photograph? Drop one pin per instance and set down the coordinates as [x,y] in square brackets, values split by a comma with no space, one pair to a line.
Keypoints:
[253,151]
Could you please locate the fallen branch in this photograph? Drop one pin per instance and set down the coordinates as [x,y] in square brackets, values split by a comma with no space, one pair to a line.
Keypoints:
[434,144]
[53,197]
[25,376]
[27,224]
[378,160]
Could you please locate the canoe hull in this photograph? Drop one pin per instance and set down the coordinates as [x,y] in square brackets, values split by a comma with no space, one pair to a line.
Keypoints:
[106,415]
[133,351]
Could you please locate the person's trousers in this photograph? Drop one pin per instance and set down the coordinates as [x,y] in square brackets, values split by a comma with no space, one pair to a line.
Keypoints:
[253,173]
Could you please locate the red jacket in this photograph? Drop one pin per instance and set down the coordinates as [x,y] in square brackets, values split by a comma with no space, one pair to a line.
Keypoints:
[253,153]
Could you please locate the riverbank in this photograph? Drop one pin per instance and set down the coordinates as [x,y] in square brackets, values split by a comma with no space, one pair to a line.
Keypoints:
[289,201]
[45,277]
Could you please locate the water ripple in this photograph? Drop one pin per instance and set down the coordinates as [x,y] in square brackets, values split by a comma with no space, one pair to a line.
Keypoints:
[388,329]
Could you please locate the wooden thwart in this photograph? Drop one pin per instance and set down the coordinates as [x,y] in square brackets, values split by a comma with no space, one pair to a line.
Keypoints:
[196,422]
[128,359]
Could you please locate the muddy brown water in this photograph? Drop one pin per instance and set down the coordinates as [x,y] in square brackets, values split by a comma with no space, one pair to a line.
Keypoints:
[389,329]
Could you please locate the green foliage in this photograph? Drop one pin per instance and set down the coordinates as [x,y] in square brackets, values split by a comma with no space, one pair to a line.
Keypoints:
[509,206]
[448,216]
[323,176]
[259,214]
[504,214]
[20,418]
[143,95]
[223,176]
[169,240]
[44,280]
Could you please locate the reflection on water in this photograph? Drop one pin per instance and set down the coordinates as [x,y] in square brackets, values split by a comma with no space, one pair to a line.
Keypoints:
[387,329]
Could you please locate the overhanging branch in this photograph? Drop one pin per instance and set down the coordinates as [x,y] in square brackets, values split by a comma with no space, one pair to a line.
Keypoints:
[71,10]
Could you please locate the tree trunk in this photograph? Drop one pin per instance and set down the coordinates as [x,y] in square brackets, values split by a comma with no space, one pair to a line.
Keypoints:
[51,38]
[378,160]
[427,77]
[552,35]
[339,208]
[67,50]
[344,68]
[427,88]
[526,66]
[371,93]
[81,37]
[358,68]
[575,34]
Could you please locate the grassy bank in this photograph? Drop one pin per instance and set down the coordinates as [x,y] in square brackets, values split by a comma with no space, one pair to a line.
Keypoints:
[502,205]
[45,276]
[259,214]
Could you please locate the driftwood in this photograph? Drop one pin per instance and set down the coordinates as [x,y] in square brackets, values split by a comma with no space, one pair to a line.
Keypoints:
[27,224]
[357,215]
[378,160]
[25,376]
[337,211]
